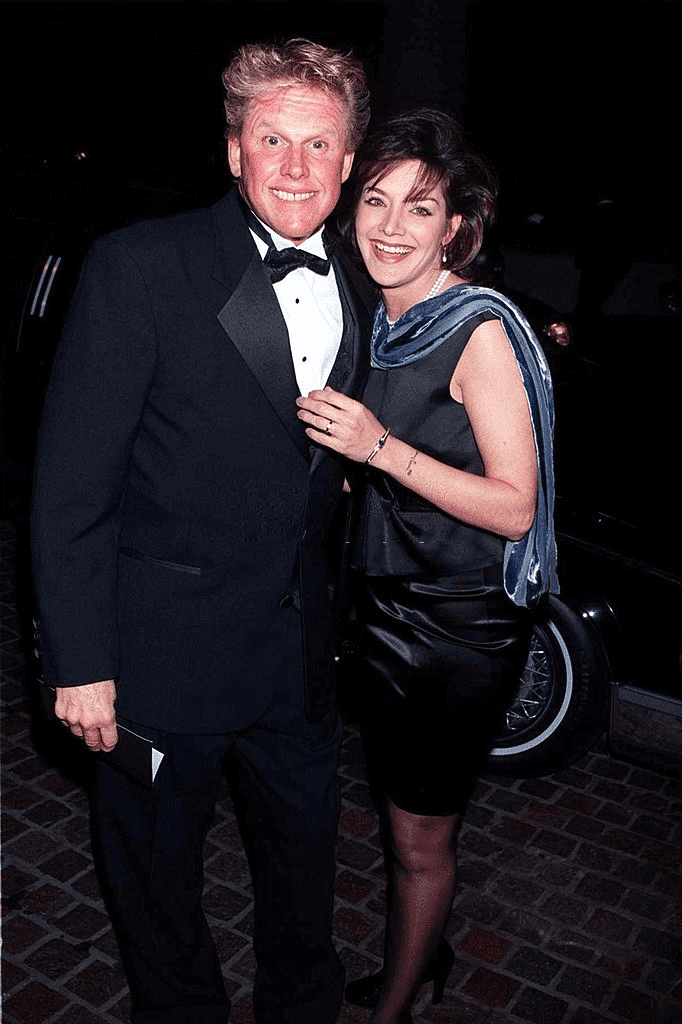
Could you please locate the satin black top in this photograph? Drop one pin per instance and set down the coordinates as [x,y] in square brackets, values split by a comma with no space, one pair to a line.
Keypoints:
[400,533]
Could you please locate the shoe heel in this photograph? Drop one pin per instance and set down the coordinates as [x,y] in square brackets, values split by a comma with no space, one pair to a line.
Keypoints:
[439,987]
[440,976]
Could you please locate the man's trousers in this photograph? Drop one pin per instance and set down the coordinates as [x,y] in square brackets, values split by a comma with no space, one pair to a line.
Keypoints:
[148,845]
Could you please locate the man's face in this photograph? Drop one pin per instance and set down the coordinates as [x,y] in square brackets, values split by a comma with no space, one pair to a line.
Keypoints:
[291,159]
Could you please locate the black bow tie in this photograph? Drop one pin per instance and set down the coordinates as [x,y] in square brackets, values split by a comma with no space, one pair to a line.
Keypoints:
[282,261]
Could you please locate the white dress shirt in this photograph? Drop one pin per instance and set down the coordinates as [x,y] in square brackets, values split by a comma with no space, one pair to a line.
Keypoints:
[311,308]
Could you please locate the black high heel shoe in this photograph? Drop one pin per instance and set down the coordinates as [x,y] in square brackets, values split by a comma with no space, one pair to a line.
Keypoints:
[365,991]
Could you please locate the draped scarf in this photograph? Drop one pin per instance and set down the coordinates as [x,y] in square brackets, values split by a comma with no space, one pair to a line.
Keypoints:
[529,563]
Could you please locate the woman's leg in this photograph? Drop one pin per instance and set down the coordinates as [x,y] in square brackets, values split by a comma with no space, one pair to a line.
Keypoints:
[421,888]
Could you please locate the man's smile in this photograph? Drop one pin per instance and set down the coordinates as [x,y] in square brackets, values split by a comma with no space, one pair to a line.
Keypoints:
[292,197]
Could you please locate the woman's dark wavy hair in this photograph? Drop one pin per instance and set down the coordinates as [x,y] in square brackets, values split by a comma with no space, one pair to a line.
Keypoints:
[437,142]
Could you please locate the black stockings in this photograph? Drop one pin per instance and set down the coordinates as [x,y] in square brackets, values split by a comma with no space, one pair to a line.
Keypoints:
[421,883]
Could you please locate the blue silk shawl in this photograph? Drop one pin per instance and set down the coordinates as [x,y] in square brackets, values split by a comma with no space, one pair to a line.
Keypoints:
[529,563]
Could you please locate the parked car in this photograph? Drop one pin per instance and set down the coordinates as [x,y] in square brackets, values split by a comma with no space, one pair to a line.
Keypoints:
[606,653]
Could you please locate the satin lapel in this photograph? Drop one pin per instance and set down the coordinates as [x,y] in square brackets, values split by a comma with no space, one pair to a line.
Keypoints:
[253,320]
[350,369]
[357,329]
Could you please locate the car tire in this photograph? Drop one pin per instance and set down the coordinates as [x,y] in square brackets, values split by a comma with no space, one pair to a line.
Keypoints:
[560,707]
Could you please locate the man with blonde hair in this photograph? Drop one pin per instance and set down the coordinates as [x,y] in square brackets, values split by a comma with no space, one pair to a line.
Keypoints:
[180,529]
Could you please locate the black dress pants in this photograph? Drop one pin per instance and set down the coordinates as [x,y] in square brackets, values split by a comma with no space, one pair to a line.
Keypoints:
[148,846]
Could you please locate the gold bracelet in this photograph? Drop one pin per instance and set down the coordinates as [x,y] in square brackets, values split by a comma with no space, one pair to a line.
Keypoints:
[379,445]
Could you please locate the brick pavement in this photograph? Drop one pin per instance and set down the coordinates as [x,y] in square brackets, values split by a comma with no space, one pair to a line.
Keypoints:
[568,908]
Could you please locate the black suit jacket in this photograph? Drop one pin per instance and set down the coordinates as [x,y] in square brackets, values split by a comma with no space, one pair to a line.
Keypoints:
[178,505]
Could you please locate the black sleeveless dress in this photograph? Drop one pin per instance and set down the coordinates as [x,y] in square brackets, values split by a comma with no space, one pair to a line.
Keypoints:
[441,645]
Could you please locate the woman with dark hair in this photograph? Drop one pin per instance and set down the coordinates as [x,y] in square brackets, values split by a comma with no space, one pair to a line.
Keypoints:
[454,541]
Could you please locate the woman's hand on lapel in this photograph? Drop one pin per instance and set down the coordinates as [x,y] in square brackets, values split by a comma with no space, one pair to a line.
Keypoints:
[340,423]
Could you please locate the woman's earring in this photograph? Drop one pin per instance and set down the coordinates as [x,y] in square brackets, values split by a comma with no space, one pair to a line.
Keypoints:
[445,256]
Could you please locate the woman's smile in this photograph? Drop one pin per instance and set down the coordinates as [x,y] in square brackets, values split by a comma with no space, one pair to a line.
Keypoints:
[391,250]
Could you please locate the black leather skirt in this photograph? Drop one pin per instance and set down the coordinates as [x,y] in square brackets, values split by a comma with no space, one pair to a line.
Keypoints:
[440,661]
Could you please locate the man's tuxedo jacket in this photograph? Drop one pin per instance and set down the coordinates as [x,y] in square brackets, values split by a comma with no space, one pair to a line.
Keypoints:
[179,510]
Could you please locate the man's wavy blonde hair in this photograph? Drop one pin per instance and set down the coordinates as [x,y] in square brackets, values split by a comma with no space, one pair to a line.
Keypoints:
[258,68]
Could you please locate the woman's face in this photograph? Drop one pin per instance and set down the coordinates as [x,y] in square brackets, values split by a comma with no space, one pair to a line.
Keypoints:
[401,240]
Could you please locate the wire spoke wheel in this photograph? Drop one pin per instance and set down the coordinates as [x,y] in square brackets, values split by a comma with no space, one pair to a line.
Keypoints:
[559,707]
[535,688]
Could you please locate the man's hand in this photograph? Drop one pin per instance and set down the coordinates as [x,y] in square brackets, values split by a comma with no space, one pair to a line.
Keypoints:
[88,711]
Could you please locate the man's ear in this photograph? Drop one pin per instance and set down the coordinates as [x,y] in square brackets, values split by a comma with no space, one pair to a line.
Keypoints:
[234,156]
[347,164]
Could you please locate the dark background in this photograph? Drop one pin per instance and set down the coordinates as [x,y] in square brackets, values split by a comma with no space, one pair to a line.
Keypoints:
[570,101]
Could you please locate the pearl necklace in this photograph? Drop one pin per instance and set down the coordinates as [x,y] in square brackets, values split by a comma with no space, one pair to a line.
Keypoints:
[434,291]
